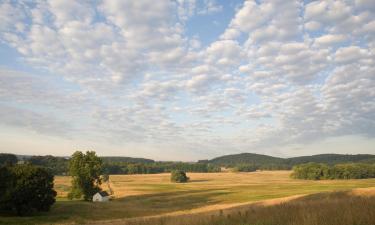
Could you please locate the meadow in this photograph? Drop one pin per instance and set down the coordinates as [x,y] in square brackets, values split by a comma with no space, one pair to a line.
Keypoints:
[151,195]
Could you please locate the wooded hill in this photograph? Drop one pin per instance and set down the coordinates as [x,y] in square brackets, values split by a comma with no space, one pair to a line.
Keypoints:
[270,161]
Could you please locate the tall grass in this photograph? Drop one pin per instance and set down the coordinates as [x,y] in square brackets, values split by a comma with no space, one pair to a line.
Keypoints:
[337,208]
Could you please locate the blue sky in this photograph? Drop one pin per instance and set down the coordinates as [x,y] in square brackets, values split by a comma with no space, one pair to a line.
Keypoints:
[187,79]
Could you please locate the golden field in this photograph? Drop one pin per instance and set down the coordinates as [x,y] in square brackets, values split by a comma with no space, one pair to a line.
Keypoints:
[150,195]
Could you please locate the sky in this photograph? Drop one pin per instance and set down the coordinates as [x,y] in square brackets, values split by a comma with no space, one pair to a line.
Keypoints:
[187,79]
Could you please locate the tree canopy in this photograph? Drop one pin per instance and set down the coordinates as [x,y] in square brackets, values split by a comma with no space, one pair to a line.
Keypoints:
[85,170]
[179,176]
[26,188]
[320,171]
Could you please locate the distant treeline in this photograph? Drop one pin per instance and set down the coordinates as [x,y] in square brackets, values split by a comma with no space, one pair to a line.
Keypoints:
[113,165]
[321,171]
[244,167]
[244,162]
[158,167]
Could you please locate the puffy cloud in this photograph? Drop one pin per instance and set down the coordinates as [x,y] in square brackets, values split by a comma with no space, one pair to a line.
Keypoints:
[224,53]
[281,73]
[329,40]
[351,54]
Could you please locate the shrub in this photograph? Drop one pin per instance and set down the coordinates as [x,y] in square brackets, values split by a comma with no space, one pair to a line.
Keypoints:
[179,176]
[27,188]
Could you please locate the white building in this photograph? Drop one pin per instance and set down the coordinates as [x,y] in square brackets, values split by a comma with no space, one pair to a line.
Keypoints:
[101,196]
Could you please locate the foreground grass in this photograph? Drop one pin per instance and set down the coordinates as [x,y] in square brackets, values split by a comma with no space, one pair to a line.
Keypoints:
[147,195]
[337,208]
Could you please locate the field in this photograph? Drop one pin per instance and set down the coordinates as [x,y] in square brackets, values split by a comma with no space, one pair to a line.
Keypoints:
[150,195]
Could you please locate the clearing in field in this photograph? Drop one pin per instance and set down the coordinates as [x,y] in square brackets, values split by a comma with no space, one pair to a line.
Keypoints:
[148,195]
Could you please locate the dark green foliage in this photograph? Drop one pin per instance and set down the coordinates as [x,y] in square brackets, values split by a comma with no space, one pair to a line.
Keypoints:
[274,167]
[246,168]
[246,158]
[264,162]
[6,182]
[85,170]
[179,176]
[330,159]
[7,159]
[319,171]
[311,171]
[353,171]
[26,188]
[57,165]
[158,167]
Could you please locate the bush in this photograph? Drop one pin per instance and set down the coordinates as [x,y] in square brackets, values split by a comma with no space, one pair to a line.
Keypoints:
[179,176]
[26,188]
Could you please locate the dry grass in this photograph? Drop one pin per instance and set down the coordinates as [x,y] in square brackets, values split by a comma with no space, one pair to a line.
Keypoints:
[334,208]
[153,195]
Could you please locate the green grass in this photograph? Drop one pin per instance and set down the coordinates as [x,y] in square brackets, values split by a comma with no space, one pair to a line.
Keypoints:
[146,195]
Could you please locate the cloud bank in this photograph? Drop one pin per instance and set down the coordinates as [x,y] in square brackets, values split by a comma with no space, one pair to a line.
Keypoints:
[130,73]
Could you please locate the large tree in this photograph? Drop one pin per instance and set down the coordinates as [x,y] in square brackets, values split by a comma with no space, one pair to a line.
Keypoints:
[26,188]
[85,170]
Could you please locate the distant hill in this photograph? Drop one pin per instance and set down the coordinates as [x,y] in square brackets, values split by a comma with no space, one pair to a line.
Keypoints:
[246,158]
[265,160]
[330,158]
[113,159]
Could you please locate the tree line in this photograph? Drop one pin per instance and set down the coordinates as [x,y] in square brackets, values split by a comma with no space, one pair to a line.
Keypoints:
[158,167]
[251,167]
[321,171]
[114,165]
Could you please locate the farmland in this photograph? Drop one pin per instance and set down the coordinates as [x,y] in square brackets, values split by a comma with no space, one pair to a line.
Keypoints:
[149,195]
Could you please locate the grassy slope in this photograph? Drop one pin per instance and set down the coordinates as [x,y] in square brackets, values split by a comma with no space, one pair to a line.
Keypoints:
[144,195]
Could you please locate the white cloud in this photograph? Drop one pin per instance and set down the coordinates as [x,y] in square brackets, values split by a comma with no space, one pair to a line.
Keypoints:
[351,54]
[281,73]
[329,40]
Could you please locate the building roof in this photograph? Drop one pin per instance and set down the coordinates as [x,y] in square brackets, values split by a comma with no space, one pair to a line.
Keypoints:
[103,193]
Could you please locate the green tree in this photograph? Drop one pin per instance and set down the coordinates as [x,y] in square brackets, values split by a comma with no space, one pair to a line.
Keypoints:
[179,176]
[245,168]
[311,171]
[85,170]
[28,188]
[6,182]
[7,159]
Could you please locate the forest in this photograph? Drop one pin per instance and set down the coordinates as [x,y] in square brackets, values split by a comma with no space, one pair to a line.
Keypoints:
[321,171]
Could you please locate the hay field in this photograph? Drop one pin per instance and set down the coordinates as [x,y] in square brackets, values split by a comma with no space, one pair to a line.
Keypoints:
[148,195]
